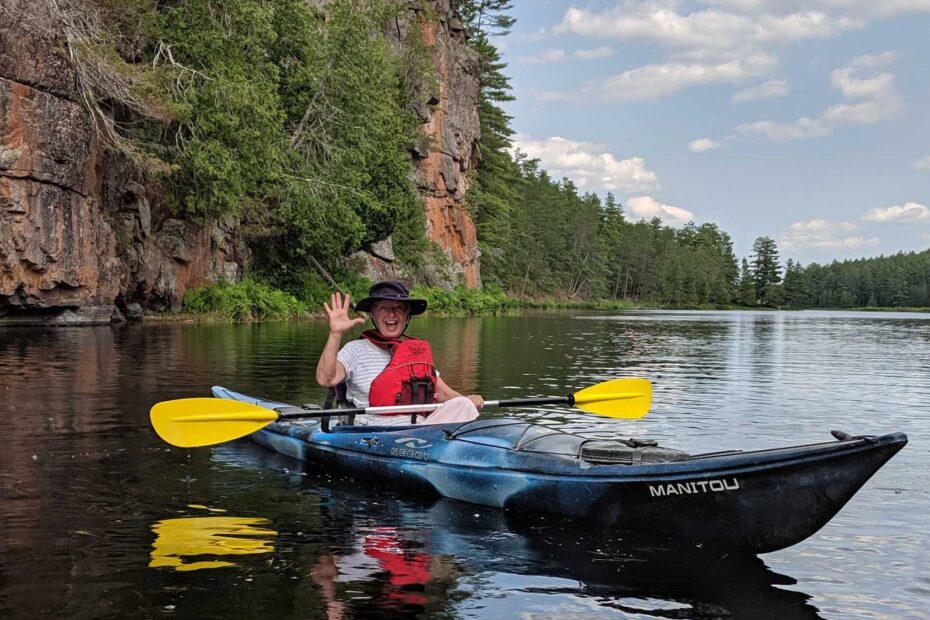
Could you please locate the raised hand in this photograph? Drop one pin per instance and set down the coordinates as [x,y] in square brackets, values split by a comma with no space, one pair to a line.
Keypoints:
[337,311]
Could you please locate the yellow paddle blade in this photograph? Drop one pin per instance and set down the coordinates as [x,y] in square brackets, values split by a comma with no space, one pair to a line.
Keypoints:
[192,422]
[618,398]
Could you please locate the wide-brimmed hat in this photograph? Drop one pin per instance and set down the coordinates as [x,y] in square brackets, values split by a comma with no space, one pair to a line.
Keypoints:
[390,290]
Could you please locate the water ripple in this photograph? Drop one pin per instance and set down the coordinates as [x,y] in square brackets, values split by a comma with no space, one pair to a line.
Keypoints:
[85,483]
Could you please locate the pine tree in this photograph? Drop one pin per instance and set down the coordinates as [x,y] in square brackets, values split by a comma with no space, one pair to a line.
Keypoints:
[766,271]
[795,285]
[747,286]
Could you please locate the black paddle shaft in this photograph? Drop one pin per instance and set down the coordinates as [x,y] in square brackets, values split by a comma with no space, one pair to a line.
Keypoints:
[292,413]
[540,400]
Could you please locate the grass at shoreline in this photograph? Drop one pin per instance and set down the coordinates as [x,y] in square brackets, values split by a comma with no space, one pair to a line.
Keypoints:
[247,300]
[253,300]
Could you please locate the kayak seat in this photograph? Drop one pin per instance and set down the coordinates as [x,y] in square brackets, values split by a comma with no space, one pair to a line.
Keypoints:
[337,398]
[516,434]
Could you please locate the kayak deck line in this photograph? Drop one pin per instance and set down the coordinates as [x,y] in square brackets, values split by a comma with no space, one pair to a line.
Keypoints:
[741,501]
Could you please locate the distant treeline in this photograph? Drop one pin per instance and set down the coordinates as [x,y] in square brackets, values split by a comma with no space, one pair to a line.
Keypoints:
[902,280]
[540,237]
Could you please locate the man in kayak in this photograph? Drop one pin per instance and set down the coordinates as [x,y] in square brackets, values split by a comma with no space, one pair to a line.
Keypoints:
[384,366]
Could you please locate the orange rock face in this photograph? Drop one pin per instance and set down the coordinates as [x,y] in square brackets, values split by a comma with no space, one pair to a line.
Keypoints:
[53,250]
[78,237]
[452,131]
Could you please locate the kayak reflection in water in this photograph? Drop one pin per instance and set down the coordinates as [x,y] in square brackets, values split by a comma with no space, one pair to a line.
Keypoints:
[386,569]
[384,366]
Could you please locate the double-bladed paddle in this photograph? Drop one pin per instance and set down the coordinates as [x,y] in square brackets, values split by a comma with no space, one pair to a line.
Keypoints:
[193,422]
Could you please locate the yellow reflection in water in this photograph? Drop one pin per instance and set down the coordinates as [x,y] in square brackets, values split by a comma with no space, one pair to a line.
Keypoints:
[202,507]
[177,540]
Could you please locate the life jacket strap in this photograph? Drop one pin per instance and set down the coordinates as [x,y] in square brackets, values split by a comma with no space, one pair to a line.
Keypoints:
[376,337]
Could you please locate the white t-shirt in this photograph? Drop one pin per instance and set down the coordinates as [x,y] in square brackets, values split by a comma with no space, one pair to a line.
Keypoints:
[363,361]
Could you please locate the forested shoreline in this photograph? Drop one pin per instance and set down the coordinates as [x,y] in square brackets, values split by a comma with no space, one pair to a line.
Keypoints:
[299,119]
[539,236]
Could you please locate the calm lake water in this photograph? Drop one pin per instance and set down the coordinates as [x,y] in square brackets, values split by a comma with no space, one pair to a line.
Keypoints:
[99,518]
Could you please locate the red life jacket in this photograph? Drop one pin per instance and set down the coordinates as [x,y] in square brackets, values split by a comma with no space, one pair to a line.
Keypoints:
[409,378]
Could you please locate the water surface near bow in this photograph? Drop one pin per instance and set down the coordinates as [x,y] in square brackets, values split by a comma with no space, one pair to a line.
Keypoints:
[99,518]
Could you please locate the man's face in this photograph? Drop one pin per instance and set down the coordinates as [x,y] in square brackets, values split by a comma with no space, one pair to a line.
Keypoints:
[390,317]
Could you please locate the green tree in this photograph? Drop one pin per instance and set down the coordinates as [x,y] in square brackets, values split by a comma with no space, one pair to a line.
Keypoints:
[225,146]
[613,227]
[497,182]
[766,271]
[294,116]
[747,286]
[485,18]
[795,285]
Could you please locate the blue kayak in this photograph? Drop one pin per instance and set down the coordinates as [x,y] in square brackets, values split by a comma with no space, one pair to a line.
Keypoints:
[751,502]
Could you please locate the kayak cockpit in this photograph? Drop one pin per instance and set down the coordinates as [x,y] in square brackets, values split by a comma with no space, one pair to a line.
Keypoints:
[518,435]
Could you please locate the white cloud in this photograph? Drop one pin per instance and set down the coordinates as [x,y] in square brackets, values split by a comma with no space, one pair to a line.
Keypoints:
[866,113]
[588,164]
[877,87]
[858,9]
[703,46]
[604,51]
[821,234]
[703,33]
[647,208]
[550,56]
[651,82]
[922,164]
[910,212]
[874,60]
[881,102]
[766,90]
[704,144]
[543,58]
[773,131]
[891,8]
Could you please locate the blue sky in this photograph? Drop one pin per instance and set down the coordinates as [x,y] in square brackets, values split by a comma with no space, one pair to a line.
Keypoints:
[808,122]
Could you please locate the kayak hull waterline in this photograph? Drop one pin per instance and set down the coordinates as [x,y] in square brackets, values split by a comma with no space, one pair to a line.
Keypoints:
[751,502]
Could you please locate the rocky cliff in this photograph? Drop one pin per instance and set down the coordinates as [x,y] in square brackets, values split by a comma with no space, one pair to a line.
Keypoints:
[450,149]
[84,239]
[450,122]
[81,239]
